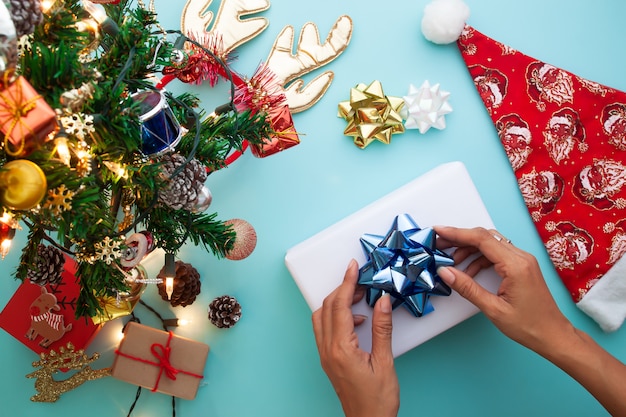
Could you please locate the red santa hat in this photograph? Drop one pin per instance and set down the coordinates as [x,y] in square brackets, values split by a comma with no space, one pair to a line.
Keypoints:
[543,115]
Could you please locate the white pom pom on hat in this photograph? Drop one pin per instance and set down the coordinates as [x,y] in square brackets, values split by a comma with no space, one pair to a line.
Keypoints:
[444,20]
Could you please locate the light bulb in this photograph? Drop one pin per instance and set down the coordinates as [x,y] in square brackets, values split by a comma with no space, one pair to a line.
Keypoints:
[117,169]
[4,247]
[175,322]
[7,233]
[100,15]
[170,273]
[96,11]
[169,287]
[46,5]
[63,149]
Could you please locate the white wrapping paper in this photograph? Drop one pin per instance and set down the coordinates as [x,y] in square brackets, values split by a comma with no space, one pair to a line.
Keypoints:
[445,195]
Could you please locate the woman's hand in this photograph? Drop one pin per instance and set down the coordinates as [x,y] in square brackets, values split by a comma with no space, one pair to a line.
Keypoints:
[523,308]
[366,383]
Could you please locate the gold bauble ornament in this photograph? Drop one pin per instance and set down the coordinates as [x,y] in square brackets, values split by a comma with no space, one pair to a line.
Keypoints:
[22,184]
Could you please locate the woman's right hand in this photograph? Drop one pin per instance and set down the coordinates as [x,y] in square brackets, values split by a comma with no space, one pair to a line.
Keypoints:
[523,308]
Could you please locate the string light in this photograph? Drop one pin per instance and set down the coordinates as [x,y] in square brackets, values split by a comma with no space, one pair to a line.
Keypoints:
[100,15]
[62,148]
[169,273]
[176,322]
[5,246]
[117,169]
[7,233]
[86,25]
[83,155]
[46,5]
[89,25]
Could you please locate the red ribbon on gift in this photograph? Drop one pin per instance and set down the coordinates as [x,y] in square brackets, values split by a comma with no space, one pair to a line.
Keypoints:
[162,354]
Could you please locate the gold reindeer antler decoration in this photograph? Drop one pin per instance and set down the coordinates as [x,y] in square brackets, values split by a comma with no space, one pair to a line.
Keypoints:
[288,67]
[310,55]
[50,390]
[229,24]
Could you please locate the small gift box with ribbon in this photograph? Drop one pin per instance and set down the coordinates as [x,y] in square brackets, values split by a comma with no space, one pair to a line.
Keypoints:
[160,361]
[25,118]
[284,137]
[42,316]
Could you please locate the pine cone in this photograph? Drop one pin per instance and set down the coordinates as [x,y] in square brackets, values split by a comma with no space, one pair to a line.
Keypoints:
[183,190]
[26,14]
[48,266]
[186,285]
[224,311]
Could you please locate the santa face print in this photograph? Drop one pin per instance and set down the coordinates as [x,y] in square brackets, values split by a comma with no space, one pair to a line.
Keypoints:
[553,84]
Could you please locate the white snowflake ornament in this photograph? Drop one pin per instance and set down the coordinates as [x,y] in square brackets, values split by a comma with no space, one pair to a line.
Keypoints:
[426,107]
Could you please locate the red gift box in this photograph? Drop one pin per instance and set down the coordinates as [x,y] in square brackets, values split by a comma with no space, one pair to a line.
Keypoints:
[285,135]
[26,119]
[42,317]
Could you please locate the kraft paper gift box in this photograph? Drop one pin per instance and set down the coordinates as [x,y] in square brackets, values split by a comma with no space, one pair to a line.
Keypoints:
[445,195]
[43,317]
[143,359]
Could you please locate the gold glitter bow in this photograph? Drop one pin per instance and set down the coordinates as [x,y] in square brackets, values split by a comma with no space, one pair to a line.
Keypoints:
[13,109]
[371,115]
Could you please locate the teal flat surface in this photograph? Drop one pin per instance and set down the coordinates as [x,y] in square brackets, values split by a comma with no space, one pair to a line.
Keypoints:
[267,365]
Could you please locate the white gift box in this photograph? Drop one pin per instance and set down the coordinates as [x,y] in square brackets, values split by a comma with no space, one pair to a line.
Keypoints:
[445,195]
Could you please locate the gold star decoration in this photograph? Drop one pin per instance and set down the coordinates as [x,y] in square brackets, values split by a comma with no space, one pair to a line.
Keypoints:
[371,115]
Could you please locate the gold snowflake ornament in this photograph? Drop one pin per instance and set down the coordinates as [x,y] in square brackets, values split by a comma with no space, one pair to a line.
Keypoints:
[108,250]
[59,200]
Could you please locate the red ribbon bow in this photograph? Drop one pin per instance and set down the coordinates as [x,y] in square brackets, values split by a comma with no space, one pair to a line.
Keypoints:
[162,353]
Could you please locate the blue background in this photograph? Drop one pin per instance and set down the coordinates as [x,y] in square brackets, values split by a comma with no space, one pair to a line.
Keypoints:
[267,365]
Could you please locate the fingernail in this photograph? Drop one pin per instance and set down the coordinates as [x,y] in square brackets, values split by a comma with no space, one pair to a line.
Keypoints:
[446,275]
[385,304]
[359,319]
[359,293]
[352,263]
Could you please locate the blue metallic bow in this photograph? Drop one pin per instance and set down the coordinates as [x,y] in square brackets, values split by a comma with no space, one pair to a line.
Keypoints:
[404,264]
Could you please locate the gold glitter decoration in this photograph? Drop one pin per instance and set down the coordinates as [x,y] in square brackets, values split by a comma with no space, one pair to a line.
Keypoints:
[128,219]
[50,390]
[128,200]
[59,200]
[371,115]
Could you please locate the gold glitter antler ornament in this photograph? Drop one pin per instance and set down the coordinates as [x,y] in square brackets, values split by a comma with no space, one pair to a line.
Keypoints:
[50,390]
[311,54]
